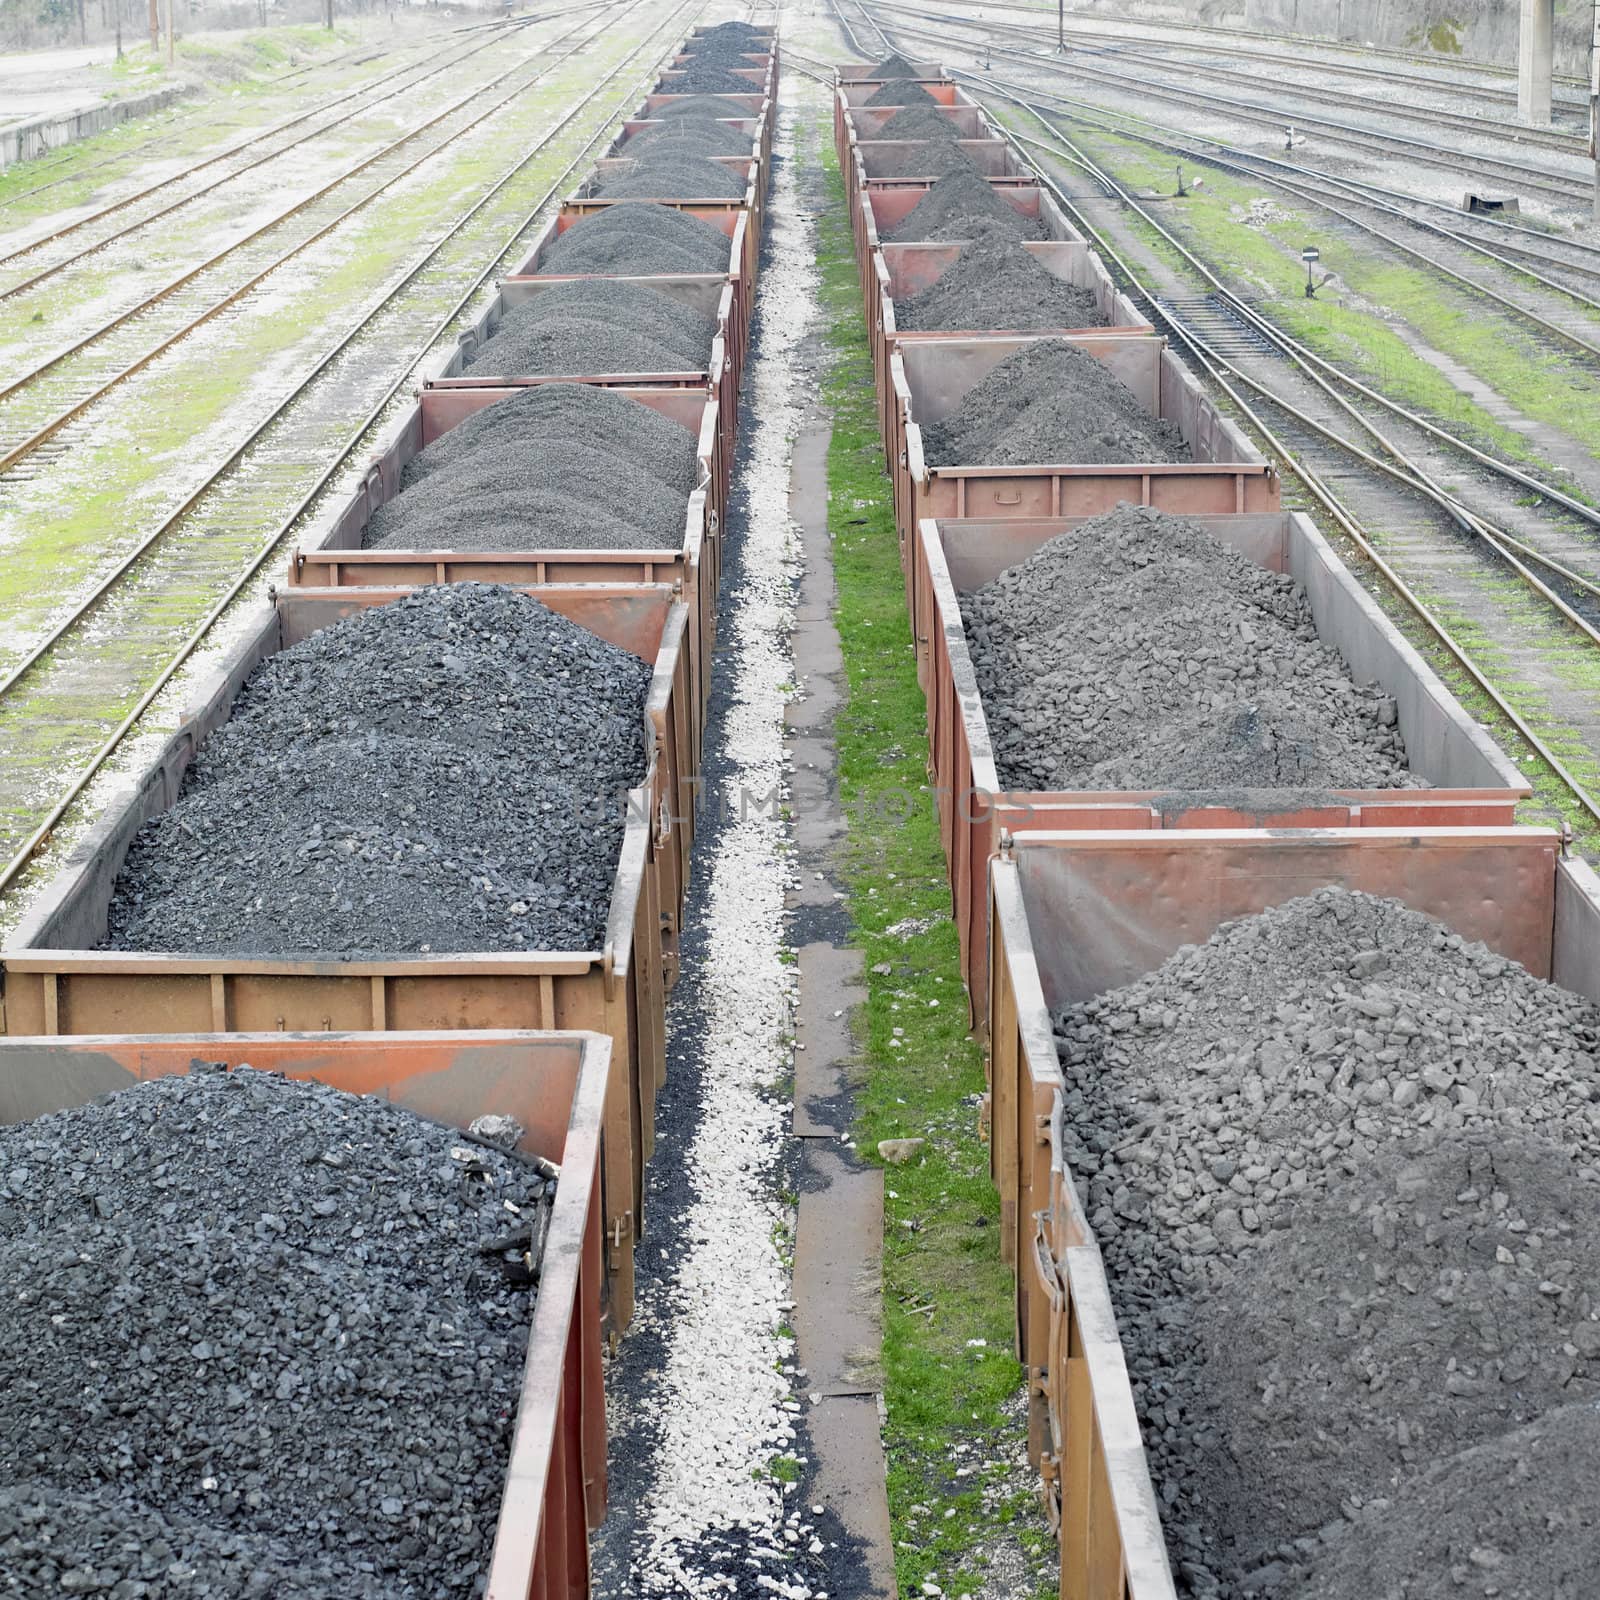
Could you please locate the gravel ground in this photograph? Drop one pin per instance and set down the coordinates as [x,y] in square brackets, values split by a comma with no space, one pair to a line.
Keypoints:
[1343,1166]
[597,325]
[1136,652]
[670,175]
[1050,402]
[955,205]
[901,94]
[995,283]
[443,773]
[701,1391]
[269,1348]
[635,240]
[579,412]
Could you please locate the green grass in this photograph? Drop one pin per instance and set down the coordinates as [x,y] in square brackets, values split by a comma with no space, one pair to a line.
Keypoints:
[945,1287]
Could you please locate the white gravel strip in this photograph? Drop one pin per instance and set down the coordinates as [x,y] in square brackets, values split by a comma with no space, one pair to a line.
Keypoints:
[720,1404]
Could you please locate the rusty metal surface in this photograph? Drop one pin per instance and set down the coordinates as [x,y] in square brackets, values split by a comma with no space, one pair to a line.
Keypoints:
[1474,783]
[555,1086]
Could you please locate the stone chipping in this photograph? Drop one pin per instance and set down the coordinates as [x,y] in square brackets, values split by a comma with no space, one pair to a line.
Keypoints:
[635,240]
[667,174]
[708,76]
[597,325]
[996,284]
[919,122]
[955,205]
[443,773]
[935,158]
[1051,403]
[901,94]
[1344,1169]
[1137,652]
[895,66]
[700,106]
[275,1335]
[692,136]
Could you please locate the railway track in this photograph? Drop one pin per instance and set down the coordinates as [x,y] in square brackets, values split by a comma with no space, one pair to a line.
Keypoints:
[168,195]
[38,407]
[1558,189]
[1338,451]
[160,602]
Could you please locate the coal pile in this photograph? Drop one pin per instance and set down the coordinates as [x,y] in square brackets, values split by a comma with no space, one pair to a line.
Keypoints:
[443,773]
[582,413]
[1136,652]
[692,136]
[955,206]
[1051,403]
[701,76]
[636,240]
[703,106]
[933,159]
[727,39]
[275,1343]
[995,283]
[895,66]
[597,325]
[1344,1169]
[666,174]
[919,122]
[901,94]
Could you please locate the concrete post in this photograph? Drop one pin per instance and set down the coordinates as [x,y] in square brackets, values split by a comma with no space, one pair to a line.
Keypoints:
[1535,48]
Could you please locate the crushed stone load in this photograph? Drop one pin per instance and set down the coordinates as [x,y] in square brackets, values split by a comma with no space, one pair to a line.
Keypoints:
[275,1338]
[726,38]
[995,283]
[903,93]
[666,174]
[708,76]
[443,773]
[895,66]
[635,240]
[919,122]
[1136,652]
[702,106]
[955,205]
[935,158]
[597,325]
[1051,403]
[1344,1168]
[583,413]
[690,136]
[1517,1518]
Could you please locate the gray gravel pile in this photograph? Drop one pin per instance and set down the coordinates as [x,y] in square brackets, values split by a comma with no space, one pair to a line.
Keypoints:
[919,122]
[995,283]
[701,106]
[597,325]
[582,413]
[442,773]
[895,66]
[635,240]
[666,174]
[1136,652]
[689,136]
[707,77]
[935,158]
[275,1339]
[1517,1518]
[901,94]
[955,205]
[1344,1167]
[1054,403]
[725,43]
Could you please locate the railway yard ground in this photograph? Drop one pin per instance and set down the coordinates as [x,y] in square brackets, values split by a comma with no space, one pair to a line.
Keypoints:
[998,899]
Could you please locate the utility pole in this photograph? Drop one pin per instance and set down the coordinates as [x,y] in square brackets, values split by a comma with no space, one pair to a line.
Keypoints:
[330,16]
[172,45]
[155,29]
[1535,61]
[1594,103]
[1061,26]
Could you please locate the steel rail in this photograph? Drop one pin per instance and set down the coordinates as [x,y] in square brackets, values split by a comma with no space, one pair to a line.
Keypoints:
[81,780]
[45,273]
[9,457]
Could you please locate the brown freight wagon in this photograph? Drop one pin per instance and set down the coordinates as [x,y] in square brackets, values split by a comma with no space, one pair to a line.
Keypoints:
[852,95]
[55,982]
[1073,915]
[751,169]
[1474,784]
[903,270]
[554,1085]
[931,377]
[331,556]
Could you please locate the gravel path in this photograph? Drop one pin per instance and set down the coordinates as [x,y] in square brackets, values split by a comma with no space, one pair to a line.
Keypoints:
[955,205]
[1050,402]
[268,1350]
[635,240]
[443,773]
[995,283]
[1136,652]
[1343,1168]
